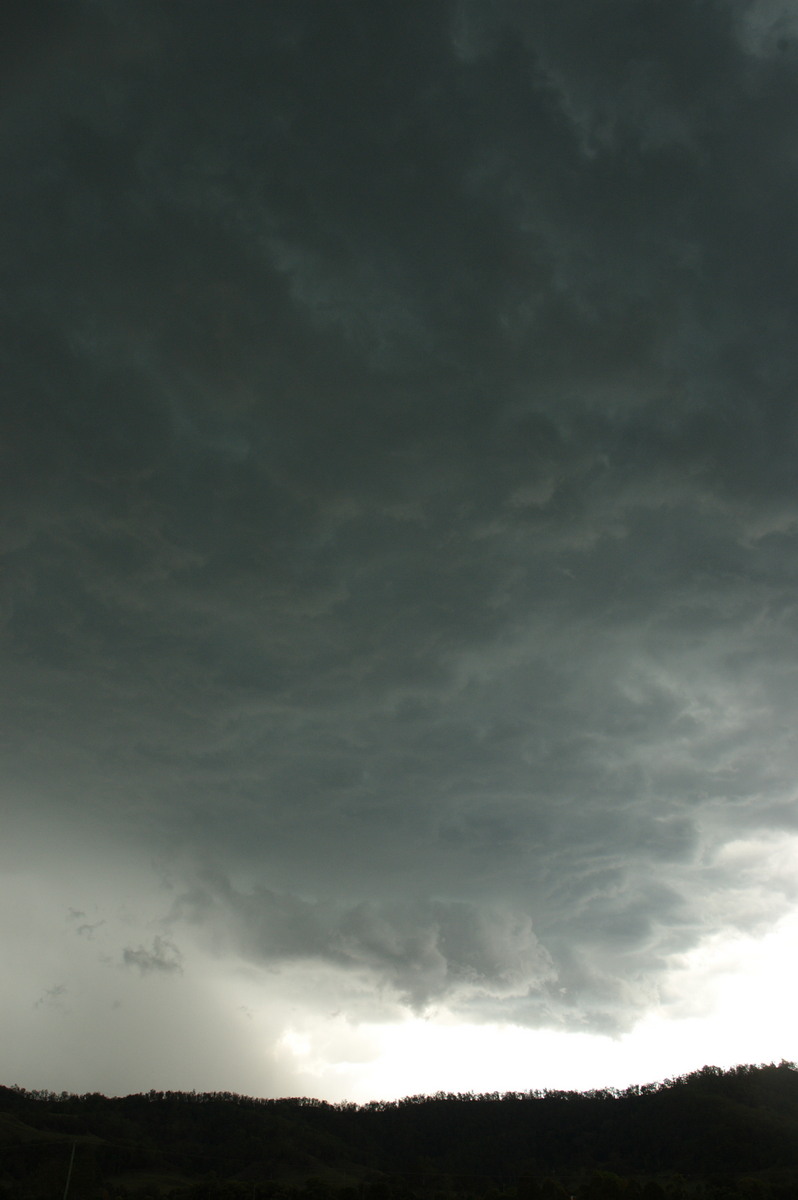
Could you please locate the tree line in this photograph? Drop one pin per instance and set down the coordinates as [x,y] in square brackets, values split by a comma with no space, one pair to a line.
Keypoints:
[710,1135]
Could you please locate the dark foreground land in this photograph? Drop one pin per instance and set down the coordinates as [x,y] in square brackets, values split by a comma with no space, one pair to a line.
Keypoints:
[711,1135]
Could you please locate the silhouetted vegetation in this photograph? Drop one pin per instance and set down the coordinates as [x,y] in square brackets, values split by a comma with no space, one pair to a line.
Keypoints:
[710,1135]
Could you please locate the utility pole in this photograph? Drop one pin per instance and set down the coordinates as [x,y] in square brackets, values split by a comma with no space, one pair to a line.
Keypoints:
[69,1172]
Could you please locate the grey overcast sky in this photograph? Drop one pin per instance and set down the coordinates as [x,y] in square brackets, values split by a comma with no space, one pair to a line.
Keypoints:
[400,541]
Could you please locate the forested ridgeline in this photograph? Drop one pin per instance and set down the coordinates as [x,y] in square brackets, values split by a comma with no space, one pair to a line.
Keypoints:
[714,1134]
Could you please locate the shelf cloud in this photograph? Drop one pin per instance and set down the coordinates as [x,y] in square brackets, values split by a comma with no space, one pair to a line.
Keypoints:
[399,517]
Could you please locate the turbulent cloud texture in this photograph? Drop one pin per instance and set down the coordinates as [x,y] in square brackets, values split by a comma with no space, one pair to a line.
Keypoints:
[399,510]
[424,950]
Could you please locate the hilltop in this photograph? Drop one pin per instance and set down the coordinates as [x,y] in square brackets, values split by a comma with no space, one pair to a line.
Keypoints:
[712,1134]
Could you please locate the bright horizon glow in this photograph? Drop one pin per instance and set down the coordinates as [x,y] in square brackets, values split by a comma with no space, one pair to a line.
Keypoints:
[745,985]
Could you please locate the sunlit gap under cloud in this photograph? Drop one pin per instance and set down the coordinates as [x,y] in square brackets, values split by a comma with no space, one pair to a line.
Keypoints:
[741,990]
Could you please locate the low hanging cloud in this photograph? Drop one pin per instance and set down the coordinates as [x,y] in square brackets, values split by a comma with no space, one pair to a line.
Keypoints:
[422,952]
[163,958]
[53,998]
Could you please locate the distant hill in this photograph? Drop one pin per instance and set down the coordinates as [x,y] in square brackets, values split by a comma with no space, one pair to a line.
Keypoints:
[711,1135]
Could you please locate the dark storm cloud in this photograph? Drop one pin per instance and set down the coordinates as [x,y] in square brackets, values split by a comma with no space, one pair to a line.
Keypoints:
[398,485]
[424,950]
